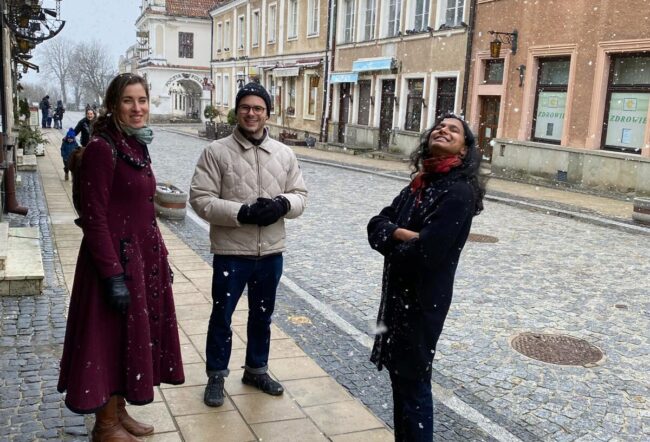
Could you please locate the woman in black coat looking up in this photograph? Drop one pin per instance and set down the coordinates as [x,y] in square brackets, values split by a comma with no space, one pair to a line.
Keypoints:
[421,235]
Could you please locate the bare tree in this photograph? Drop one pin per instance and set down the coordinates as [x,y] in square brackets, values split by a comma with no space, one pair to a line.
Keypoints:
[58,63]
[33,92]
[95,66]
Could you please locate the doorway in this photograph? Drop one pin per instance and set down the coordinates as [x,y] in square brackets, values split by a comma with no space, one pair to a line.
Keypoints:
[386,113]
[488,124]
[344,110]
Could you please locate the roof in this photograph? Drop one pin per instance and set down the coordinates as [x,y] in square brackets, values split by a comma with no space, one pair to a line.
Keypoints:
[191,8]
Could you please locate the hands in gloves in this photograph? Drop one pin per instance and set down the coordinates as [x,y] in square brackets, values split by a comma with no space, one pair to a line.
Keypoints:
[116,292]
[264,211]
[272,210]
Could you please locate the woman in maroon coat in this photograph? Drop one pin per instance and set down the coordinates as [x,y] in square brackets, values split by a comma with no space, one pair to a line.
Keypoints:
[121,337]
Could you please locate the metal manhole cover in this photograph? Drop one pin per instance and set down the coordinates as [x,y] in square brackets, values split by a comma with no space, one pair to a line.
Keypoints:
[477,237]
[557,349]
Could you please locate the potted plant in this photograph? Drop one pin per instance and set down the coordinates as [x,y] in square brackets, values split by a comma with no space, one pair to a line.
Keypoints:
[225,129]
[211,112]
[30,140]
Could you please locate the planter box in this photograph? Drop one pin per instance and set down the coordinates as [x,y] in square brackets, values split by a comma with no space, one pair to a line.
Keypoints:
[641,213]
[223,130]
[170,202]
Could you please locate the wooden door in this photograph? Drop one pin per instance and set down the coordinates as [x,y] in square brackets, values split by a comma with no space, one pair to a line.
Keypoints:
[488,124]
[386,113]
[344,109]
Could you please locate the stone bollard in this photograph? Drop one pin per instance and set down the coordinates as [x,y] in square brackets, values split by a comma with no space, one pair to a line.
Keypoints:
[641,213]
[170,202]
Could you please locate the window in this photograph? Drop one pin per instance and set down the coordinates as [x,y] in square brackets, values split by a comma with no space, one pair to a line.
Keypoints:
[291,96]
[185,45]
[369,17]
[445,96]
[628,95]
[292,31]
[226,90]
[311,94]
[256,29]
[394,16]
[453,10]
[218,90]
[219,37]
[313,17]
[493,71]
[364,102]
[414,104]
[348,21]
[421,19]
[226,36]
[550,99]
[270,87]
[241,32]
[271,24]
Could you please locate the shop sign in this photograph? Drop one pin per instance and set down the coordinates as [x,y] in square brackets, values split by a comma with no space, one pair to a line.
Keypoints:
[550,115]
[627,120]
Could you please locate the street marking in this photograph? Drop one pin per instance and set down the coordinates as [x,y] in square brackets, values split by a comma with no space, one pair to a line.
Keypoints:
[441,394]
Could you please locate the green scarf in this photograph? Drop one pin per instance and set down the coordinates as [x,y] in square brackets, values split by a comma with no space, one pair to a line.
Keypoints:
[142,134]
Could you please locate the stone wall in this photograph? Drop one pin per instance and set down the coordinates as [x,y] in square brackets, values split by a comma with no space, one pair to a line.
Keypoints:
[595,170]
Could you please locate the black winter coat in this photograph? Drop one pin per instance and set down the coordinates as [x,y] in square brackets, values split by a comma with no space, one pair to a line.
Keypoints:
[419,274]
[83,126]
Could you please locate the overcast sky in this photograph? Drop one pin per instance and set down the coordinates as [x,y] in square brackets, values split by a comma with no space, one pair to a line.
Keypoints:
[112,22]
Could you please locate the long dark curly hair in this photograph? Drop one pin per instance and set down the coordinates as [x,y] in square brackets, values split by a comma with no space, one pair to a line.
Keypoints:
[109,116]
[471,161]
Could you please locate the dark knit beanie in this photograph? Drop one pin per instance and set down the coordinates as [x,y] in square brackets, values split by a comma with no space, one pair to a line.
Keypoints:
[254,89]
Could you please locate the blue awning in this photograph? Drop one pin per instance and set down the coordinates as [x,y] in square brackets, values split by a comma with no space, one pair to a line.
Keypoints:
[373,64]
[344,77]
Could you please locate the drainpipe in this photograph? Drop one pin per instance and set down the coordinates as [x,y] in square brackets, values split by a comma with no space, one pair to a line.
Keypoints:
[329,67]
[468,55]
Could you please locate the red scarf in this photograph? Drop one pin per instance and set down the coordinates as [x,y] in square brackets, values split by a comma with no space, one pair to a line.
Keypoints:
[433,165]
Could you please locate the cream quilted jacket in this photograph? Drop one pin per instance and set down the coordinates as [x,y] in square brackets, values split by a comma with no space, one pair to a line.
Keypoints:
[231,172]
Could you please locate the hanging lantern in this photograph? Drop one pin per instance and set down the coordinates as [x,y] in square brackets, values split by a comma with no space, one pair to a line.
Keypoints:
[24,46]
[495,48]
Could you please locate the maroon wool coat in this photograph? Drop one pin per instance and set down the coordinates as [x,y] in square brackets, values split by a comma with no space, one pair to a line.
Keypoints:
[107,352]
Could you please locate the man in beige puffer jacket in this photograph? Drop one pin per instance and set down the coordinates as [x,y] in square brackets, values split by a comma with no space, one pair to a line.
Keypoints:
[245,185]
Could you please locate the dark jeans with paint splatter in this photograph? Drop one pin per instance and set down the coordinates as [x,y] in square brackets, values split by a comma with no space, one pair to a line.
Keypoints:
[230,275]
[412,409]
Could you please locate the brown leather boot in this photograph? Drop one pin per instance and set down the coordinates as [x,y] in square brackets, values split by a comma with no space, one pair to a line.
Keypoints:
[108,427]
[131,425]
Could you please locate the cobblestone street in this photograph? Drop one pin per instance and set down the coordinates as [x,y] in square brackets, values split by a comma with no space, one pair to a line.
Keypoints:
[544,274]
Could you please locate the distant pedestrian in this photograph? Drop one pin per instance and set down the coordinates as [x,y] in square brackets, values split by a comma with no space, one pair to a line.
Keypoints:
[58,115]
[44,106]
[421,235]
[245,185]
[84,126]
[121,336]
[68,145]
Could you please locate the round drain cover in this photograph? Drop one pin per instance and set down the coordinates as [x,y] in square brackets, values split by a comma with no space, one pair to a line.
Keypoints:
[477,237]
[556,349]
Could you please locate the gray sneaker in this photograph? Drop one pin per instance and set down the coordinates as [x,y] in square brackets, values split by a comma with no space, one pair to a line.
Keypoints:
[213,396]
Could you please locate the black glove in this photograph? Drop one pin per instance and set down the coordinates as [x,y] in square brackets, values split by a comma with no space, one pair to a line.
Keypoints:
[272,210]
[249,214]
[116,292]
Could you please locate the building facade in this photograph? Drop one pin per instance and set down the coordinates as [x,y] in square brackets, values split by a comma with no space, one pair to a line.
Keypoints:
[569,102]
[279,44]
[398,64]
[174,55]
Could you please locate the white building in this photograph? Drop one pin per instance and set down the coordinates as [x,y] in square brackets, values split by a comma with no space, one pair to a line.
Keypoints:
[174,55]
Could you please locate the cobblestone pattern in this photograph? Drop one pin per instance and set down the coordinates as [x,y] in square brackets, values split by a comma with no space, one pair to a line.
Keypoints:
[546,274]
[31,338]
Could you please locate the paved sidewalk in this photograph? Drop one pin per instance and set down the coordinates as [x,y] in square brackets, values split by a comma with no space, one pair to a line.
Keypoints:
[314,407]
